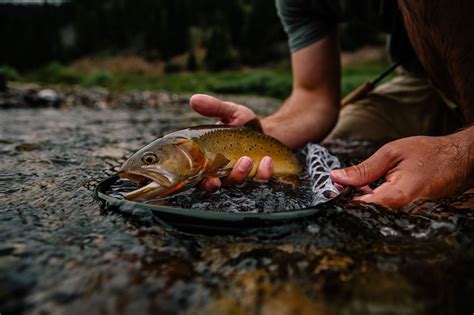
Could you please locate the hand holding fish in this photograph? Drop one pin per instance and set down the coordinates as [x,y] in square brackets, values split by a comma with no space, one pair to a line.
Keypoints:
[408,165]
[234,115]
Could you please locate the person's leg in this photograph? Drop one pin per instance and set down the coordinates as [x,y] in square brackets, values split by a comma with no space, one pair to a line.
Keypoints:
[405,106]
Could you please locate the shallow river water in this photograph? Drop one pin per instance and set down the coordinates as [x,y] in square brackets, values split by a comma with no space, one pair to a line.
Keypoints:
[61,254]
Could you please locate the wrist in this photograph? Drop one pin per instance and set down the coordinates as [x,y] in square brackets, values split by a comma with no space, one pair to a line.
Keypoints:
[464,140]
[297,123]
[296,131]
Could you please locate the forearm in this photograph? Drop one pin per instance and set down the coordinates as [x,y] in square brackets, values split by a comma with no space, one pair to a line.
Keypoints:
[464,141]
[311,111]
[304,117]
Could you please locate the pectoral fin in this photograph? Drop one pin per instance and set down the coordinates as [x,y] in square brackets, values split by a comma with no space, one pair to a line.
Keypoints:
[218,166]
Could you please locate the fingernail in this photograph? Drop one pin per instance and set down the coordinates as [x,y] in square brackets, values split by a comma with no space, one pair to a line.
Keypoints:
[267,162]
[339,173]
[245,164]
[339,188]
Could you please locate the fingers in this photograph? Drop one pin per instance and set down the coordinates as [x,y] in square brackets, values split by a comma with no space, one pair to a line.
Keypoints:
[368,171]
[211,184]
[388,195]
[366,190]
[240,172]
[243,168]
[227,112]
[265,169]
[213,107]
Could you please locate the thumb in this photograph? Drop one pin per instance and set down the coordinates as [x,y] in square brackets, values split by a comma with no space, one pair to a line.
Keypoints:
[366,172]
[210,106]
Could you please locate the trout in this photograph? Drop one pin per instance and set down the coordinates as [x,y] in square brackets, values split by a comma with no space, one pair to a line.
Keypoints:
[179,160]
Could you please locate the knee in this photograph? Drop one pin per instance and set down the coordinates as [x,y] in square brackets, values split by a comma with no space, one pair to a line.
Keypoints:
[362,122]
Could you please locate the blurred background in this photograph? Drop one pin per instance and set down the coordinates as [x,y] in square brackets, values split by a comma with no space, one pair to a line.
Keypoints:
[234,46]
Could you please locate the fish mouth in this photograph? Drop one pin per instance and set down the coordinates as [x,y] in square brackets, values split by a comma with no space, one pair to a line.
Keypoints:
[152,184]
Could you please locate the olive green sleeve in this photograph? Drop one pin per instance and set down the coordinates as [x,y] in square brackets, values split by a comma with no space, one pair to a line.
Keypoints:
[307,21]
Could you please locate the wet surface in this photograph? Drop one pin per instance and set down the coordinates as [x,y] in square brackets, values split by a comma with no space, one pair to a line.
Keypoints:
[59,253]
[249,197]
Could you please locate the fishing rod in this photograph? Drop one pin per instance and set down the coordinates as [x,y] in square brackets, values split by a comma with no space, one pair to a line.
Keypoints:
[367,86]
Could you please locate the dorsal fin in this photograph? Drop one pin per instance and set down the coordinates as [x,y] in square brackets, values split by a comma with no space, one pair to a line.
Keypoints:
[254,124]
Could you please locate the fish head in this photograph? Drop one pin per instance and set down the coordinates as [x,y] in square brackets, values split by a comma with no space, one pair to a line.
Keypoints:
[163,166]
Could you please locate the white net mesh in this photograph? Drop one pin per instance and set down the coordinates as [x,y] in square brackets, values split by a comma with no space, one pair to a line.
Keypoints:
[319,162]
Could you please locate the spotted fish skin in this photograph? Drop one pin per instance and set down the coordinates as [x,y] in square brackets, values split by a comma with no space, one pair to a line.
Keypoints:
[181,159]
[235,142]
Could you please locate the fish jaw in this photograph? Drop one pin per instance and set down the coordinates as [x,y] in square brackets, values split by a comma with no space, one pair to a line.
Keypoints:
[149,191]
[158,185]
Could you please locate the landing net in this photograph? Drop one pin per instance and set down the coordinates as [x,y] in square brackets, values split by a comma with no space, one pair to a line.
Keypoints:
[319,163]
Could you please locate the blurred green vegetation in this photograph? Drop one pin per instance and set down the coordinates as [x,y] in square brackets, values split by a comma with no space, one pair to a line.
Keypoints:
[273,81]
[9,72]
[55,73]
[98,78]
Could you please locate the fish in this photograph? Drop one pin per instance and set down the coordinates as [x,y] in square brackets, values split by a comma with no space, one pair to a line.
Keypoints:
[181,159]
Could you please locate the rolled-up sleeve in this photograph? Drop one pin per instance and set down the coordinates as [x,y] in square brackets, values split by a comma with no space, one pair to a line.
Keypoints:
[307,21]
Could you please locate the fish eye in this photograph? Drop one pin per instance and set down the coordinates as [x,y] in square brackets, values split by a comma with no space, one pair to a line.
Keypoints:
[149,158]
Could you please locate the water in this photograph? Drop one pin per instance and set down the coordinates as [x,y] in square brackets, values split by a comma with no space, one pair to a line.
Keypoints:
[59,253]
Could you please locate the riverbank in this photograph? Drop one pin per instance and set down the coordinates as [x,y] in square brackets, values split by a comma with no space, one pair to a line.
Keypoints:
[122,73]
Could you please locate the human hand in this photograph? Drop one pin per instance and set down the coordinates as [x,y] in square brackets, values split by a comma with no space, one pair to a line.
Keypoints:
[235,115]
[414,167]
